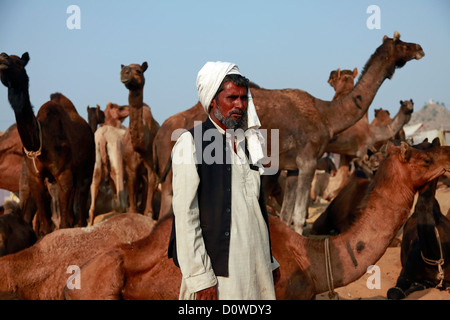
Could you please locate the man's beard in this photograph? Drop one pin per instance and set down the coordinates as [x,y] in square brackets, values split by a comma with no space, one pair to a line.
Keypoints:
[231,123]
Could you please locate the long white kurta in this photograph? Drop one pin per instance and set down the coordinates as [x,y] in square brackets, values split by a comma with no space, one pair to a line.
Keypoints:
[249,265]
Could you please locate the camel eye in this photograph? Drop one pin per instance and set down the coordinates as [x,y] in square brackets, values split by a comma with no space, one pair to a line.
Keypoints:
[428,161]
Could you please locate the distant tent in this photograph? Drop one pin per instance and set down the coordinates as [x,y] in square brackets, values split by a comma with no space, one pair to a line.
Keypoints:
[412,129]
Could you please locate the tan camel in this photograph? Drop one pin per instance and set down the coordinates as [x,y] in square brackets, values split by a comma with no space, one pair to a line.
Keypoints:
[39,272]
[306,124]
[138,140]
[109,164]
[44,278]
[59,146]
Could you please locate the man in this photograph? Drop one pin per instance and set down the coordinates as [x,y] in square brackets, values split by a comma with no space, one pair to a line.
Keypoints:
[221,240]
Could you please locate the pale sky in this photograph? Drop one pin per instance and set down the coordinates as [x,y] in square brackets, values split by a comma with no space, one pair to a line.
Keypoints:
[277,44]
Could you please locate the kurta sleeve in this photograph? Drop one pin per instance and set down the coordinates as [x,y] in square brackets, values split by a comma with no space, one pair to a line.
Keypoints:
[193,259]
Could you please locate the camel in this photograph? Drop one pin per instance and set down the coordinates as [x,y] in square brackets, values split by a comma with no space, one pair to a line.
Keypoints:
[382,118]
[15,233]
[425,251]
[354,143]
[109,164]
[150,275]
[59,148]
[325,169]
[11,157]
[39,272]
[306,124]
[138,140]
[44,278]
[95,117]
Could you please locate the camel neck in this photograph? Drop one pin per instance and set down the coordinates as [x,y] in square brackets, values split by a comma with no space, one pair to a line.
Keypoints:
[349,109]
[136,126]
[25,118]
[364,243]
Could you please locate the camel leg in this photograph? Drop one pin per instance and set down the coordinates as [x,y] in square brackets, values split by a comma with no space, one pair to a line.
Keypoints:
[95,185]
[150,190]
[66,193]
[302,194]
[42,218]
[166,197]
[81,205]
[287,208]
[117,173]
[132,187]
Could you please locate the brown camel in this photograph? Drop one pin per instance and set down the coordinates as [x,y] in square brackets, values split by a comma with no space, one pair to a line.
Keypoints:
[95,117]
[425,244]
[150,275]
[39,272]
[59,146]
[305,124]
[138,140]
[11,157]
[354,143]
[15,233]
[42,278]
[109,164]
[383,118]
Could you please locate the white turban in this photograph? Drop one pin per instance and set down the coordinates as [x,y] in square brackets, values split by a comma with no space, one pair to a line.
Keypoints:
[208,82]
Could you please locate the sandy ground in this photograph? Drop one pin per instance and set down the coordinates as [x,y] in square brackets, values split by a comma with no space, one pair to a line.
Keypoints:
[389,267]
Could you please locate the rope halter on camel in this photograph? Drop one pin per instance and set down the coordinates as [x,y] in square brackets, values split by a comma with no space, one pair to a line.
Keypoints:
[330,281]
[34,154]
[439,263]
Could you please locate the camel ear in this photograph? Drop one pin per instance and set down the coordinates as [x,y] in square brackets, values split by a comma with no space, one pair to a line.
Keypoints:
[121,66]
[338,73]
[25,58]
[436,142]
[396,36]
[405,152]
[384,38]
[144,66]
[355,72]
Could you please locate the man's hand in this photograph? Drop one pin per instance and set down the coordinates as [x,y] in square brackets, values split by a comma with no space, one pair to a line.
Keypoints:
[207,294]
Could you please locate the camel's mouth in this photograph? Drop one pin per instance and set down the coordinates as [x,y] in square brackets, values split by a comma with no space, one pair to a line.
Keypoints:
[4,63]
[125,80]
[419,55]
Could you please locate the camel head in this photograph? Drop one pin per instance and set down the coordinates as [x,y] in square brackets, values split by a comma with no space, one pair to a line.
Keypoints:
[342,80]
[401,52]
[12,70]
[419,167]
[115,112]
[132,76]
[407,106]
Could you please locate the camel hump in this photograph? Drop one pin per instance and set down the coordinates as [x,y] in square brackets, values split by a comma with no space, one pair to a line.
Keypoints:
[65,103]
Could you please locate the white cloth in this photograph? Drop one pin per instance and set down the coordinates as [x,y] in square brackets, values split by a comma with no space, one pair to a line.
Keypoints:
[208,82]
[249,265]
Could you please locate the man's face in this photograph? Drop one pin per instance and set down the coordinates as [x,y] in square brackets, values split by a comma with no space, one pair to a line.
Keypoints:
[230,107]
